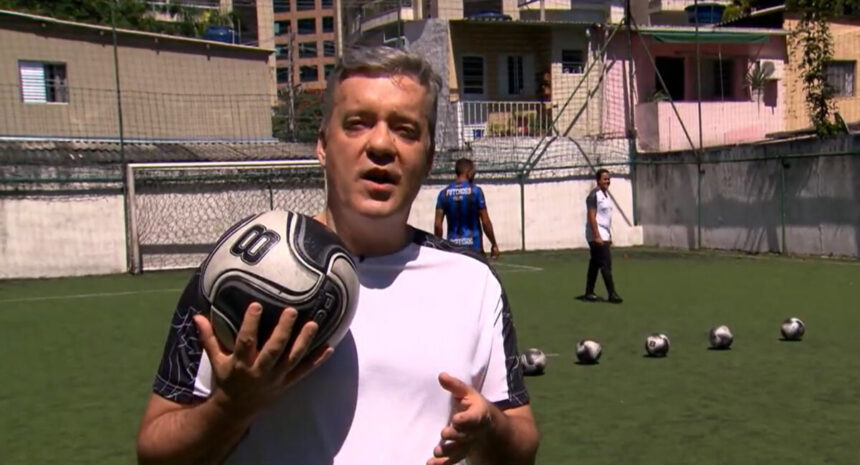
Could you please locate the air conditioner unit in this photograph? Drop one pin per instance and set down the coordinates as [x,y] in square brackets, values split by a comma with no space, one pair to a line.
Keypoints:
[775,65]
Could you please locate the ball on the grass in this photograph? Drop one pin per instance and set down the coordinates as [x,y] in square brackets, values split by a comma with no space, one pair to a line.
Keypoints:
[793,329]
[280,259]
[720,337]
[533,361]
[657,345]
[588,351]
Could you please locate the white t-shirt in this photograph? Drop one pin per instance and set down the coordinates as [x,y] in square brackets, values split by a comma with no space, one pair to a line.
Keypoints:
[602,203]
[425,309]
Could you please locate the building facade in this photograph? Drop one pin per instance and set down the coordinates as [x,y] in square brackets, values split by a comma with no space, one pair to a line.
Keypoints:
[61,79]
[305,45]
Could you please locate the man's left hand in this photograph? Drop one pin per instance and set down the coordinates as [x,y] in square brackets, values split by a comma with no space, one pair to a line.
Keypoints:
[468,424]
[494,251]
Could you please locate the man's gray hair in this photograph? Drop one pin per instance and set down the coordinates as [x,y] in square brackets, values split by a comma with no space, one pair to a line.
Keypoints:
[383,61]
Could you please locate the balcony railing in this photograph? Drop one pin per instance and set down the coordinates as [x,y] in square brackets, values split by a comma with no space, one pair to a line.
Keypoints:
[481,119]
[382,7]
[677,5]
[723,123]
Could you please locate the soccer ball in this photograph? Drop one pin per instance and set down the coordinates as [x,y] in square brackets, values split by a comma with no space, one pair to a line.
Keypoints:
[720,337]
[657,345]
[588,351]
[793,329]
[280,259]
[533,361]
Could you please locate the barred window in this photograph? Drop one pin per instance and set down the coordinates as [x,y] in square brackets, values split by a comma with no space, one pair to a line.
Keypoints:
[473,75]
[572,61]
[840,77]
[43,82]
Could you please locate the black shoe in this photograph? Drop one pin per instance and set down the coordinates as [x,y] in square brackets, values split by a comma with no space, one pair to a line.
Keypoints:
[589,297]
[615,298]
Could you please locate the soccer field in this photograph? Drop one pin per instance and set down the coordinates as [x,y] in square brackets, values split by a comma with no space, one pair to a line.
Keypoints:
[79,356]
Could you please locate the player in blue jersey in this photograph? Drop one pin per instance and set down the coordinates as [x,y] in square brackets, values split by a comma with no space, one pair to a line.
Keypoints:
[463,204]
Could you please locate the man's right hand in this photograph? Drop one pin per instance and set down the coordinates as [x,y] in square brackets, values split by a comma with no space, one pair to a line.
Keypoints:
[598,240]
[250,379]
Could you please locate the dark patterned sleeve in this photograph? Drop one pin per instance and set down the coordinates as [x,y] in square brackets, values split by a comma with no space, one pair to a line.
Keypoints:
[591,200]
[503,384]
[182,352]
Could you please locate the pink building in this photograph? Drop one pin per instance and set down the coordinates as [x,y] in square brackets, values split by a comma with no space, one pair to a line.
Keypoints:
[732,111]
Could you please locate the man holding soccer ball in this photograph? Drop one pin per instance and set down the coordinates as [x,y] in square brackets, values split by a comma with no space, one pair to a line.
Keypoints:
[423,376]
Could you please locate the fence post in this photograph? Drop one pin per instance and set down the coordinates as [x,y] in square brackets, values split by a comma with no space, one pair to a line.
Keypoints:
[521,180]
[783,165]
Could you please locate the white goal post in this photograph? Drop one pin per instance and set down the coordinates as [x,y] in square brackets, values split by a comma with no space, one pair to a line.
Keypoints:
[176,212]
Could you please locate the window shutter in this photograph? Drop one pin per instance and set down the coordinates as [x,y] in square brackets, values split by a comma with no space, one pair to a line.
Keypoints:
[32,81]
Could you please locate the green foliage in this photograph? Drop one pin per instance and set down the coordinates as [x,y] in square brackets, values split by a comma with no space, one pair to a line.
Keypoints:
[758,76]
[813,37]
[306,119]
[130,14]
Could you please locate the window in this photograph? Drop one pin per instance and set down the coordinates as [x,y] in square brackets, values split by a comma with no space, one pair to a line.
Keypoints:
[671,69]
[718,79]
[328,70]
[304,5]
[281,6]
[840,77]
[282,28]
[328,48]
[572,61]
[473,75]
[43,82]
[516,75]
[308,74]
[307,26]
[308,50]
[327,4]
[280,51]
[328,24]
[283,75]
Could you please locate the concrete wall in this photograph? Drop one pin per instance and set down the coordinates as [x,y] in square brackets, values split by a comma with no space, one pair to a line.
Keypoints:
[85,234]
[742,201]
[61,236]
[171,88]
[555,213]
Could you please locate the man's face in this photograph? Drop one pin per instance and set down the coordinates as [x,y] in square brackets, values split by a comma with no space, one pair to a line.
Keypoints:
[603,182]
[376,148]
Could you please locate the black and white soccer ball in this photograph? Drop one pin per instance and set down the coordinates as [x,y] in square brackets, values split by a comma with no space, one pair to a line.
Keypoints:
[720,337]
[280,259]
[793,329]
[657,345]
[588,351]
[533,362]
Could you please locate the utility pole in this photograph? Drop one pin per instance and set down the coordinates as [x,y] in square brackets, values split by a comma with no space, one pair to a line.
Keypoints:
[291,98]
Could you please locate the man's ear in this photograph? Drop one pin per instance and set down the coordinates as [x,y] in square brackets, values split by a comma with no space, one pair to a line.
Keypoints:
[321,147]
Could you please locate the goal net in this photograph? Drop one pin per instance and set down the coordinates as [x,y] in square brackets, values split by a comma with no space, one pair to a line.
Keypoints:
[177,211]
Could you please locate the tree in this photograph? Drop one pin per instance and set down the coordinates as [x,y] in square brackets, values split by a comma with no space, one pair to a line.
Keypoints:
[812,36]
[130,14]
[308,115]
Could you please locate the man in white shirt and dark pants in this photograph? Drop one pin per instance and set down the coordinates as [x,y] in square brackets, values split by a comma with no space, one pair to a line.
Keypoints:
[598,233]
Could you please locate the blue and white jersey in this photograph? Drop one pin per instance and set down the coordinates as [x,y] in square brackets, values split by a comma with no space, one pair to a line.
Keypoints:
[461,202]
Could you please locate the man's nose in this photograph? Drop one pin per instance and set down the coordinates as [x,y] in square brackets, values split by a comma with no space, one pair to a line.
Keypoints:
[380,145]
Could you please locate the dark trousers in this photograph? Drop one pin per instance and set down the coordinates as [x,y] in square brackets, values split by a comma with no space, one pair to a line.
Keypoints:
[600,260]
